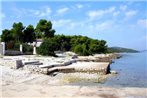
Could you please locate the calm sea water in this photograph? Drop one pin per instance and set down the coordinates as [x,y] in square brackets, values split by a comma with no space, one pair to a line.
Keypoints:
[132,72]
[132,69]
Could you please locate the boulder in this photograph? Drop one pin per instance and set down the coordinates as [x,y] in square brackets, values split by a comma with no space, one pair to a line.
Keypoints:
[113,72]
[74,57]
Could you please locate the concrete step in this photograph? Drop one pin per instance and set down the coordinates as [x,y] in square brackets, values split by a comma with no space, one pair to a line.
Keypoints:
[30,62]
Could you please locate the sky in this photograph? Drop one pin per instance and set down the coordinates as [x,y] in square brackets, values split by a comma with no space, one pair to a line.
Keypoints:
[122,23]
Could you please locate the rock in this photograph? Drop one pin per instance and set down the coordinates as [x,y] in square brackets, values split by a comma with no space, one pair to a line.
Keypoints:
[67,63]
[69,53]
[44,70]
[74,57]
[51,64]
[13,64]
[18,64]
[113,72]
[31,62]
[73,60]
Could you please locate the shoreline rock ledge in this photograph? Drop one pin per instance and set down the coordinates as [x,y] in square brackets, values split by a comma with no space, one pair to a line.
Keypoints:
[102,68]
[99,63]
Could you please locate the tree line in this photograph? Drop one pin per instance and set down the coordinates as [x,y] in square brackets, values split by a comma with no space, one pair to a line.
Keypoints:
[22,34]
[81,45]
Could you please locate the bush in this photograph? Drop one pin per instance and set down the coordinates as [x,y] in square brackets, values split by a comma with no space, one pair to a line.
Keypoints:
[47,48]
[12,46]
[94,48]
[15,46]
[27,49]
[98,46]
[81,50]
[78,49]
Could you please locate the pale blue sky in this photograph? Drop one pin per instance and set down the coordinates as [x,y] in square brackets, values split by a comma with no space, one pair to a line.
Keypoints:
[119,23]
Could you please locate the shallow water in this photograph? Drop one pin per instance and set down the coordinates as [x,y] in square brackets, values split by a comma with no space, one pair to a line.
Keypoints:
[132,72]
[132,69]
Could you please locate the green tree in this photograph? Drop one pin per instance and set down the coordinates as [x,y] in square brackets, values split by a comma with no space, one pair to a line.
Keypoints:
[97,46]
[6,35]
[47,48]
[103,47]
[63,42]
[82,45]
[78,49]
[81,50]
[18,31]
[29,34]
[45,28]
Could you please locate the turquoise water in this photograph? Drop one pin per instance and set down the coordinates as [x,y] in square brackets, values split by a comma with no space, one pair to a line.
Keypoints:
[132,69]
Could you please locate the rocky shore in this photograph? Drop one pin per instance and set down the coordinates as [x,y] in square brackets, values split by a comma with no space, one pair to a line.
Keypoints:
[24,84]
[69,63]
[85,68]
[30,78]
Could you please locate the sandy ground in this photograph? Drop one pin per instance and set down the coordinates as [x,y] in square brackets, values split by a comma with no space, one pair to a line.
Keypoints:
[22,83]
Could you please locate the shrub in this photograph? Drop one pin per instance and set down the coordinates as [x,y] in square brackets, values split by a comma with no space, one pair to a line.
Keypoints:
[94,48]
[81,50]
[27,49]
[16,46]
[47,48]
[9,45]
[12,46]
[78,49]
[98,46]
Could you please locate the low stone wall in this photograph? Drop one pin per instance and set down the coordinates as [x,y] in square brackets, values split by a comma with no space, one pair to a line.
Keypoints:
[85,67]
[92,67]
[12,53]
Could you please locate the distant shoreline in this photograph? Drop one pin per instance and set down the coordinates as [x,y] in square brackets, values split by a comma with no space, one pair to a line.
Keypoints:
[121,50]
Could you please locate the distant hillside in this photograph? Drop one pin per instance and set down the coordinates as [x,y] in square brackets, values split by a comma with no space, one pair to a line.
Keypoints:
[120,49]
[143,51]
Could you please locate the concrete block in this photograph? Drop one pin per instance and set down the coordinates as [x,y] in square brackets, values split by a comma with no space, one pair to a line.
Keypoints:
[14,64]
[18,64]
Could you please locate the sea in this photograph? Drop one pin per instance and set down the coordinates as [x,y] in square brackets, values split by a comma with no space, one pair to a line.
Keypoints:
[132,71]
